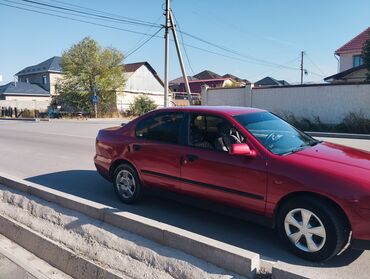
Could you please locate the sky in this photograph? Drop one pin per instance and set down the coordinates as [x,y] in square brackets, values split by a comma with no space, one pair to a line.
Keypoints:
[254,38]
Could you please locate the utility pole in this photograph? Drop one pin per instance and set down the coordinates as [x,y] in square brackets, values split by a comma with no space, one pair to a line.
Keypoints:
[302,54]
[167,52]
[185,77]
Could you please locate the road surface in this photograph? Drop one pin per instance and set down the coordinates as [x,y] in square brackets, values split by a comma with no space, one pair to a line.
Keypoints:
[59,155]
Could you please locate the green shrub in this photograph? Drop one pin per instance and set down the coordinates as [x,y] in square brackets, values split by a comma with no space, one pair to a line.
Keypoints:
[141,105]
[355,122]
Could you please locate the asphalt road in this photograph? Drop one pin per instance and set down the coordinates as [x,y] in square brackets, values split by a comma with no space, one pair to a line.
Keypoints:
[59,155]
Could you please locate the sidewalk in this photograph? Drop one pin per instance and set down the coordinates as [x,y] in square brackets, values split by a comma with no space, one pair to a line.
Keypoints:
[16,262]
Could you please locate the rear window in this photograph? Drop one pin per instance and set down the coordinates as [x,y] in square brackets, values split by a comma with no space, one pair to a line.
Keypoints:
[163,127]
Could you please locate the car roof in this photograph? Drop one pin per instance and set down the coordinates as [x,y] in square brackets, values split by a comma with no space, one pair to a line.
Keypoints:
[225,110]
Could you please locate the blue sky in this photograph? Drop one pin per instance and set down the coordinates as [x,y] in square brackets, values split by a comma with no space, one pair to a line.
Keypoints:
[267,30]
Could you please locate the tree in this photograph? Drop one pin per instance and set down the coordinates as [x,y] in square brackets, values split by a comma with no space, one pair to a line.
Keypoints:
[141,105]
[88,67]
[366,57]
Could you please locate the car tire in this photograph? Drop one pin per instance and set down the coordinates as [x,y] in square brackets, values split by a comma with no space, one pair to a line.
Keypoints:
[127,184]
[312,228]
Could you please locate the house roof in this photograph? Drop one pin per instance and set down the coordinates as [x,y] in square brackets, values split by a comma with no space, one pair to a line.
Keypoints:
[50,65]
[23,89]
[342,75]
[235,78]
[181,80]
[206,74]
[356,44]
[133,67]
[196,85]
[269,81]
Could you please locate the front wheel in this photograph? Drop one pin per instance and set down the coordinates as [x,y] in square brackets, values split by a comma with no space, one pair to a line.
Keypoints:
[312,228]
[127,184]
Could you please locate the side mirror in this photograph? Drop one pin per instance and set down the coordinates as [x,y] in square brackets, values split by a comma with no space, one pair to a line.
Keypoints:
[242,149]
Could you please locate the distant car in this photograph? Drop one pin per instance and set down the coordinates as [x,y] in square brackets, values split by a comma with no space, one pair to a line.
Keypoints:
[316,194]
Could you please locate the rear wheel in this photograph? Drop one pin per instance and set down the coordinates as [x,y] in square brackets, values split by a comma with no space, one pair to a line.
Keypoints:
[312,228]
[127,184]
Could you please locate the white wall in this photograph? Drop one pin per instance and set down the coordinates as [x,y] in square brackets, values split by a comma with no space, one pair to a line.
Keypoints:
[330,102]
[40,104]
[346,60]
[141,82]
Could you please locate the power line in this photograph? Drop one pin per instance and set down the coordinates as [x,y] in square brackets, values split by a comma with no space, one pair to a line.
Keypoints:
[74,19]
[314,64]
[131,21]
[142,44]
[68,13]
[101,12]
[183,44]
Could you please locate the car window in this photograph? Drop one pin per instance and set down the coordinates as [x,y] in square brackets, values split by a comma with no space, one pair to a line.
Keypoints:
[163,127]
[274,133]
[212,132]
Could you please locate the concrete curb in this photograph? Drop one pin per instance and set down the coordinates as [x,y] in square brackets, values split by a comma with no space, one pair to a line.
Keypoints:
[226,256]
[283,270]
[339,135]
[51,252]
[21,119]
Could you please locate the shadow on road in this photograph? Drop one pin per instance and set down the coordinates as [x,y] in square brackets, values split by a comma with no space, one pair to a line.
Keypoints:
[90,185]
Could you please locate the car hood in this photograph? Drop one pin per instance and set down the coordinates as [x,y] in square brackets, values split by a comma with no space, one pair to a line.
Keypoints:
[339,154]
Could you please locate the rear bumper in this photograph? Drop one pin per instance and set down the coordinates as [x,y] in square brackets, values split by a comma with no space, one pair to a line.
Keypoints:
[102,168]
[360,244]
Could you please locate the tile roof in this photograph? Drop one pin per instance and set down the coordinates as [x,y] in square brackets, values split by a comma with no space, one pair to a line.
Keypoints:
[196,85]
[181,80]
[343,74]
[206,74]
[356,44]
[23,89]
[50,65]
[235,78]
[269,81]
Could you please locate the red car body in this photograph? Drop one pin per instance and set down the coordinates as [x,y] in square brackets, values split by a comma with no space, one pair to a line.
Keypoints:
[257,184]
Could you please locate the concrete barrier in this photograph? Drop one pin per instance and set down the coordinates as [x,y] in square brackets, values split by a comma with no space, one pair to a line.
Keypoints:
[53,253]
[226,256]
[283,270]
[339,135]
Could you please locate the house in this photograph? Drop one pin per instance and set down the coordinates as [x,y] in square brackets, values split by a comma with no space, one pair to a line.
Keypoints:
[269,81]
[174,84]
[44,74]
[350,53]
[24,95]
[196,85]
[355,74]
[351,68]
[206,74]
[141,79]
[237,79]
[205,77]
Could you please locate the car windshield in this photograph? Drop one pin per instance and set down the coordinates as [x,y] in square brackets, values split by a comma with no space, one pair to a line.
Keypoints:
[274,133]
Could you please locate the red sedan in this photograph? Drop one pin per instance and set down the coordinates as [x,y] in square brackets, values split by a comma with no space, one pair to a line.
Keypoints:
[316,194]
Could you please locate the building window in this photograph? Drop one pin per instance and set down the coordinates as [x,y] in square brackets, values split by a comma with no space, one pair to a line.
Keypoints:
[357,60]
[43,79]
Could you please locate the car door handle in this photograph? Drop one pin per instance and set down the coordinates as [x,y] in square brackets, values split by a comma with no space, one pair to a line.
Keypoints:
[136,147]
[191,157]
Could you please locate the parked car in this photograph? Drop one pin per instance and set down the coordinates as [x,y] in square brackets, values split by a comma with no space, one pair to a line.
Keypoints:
[316,194]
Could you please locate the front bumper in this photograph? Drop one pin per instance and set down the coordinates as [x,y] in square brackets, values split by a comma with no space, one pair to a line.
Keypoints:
[360,244]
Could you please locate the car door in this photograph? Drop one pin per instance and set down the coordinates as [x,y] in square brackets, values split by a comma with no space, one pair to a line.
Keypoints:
[210,172]
[157,149]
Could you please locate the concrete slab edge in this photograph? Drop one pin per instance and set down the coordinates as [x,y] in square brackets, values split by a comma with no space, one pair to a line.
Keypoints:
[283,270]
[21,119]
[226,256]
[339,135]
[56,255]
